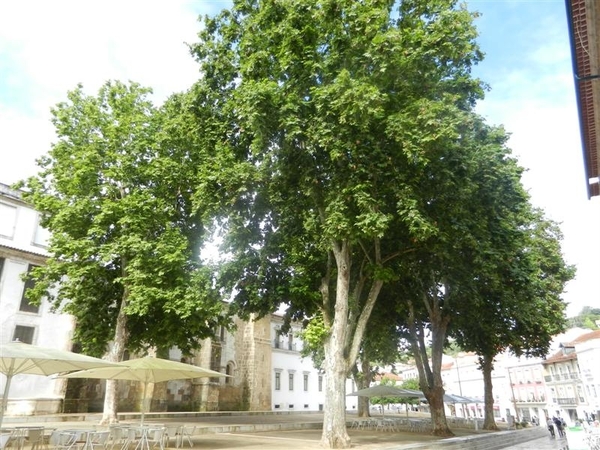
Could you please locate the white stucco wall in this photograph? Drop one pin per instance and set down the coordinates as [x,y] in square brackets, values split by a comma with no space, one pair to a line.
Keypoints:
[588,356]
[21,244]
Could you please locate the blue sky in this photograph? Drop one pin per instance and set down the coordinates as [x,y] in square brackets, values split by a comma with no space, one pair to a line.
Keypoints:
[46,48]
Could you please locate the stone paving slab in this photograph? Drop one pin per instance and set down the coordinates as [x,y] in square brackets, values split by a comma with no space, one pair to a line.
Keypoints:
[259,431]
[547,443]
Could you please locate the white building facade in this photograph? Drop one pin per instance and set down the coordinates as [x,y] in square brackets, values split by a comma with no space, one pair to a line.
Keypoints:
[588,355]
[22,247]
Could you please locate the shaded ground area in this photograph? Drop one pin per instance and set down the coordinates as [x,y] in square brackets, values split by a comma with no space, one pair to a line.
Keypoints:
[266,431]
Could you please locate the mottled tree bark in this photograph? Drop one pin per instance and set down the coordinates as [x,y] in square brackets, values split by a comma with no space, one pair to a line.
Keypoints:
[115,354]
[489,422]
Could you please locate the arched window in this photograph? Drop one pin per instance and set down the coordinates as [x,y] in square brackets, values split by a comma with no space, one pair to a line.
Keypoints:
[229,370]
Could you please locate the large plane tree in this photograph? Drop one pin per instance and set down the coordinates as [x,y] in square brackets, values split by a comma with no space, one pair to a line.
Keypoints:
[474,194]
[333,109]
[517,306]
[118,192]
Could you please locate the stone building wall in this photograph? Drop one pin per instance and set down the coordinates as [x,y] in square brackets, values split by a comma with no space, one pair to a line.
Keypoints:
[244,354]
[254,363]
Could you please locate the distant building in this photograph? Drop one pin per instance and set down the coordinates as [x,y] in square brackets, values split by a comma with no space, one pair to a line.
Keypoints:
[588,355]
[573,392]
[22,247]
[461,376]
[527,389]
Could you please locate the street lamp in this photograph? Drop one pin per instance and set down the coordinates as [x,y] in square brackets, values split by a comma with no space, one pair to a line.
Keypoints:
[462,406]
[458,376]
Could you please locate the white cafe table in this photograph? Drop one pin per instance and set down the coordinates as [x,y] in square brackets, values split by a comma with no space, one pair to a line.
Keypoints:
[15,437]
[5,435]
[81,436]
[145,436]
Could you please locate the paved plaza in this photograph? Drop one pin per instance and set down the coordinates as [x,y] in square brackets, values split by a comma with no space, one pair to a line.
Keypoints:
[215,432]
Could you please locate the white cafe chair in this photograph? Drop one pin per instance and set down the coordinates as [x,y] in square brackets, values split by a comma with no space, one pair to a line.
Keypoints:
[63,440]
[35,437]
[156,436]
[173,431]
[186,434]
[97,440]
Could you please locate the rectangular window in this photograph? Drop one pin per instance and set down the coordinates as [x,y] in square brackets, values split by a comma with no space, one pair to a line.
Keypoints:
[306,382]
[291,381]
[41,235]
[9,220]
[26,305]
[320,383]
[277,381]
[1,268]
[24,334]
[215,360]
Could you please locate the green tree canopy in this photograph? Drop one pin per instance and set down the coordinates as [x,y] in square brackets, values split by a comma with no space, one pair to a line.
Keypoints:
[333,110]
[517,307]
[588,317]
[482,214]
[116,192]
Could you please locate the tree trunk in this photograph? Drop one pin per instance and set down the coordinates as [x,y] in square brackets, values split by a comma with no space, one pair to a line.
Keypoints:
[363,381]
[430,378]
[438,414]
[436,393]
[363,407]
[489,422]
[334,433]
[115,354]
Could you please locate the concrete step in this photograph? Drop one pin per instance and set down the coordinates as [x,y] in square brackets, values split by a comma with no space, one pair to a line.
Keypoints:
[492,441]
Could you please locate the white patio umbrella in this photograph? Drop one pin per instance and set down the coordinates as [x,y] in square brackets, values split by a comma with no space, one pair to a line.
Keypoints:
[383,390]
[147,370]
[20,358]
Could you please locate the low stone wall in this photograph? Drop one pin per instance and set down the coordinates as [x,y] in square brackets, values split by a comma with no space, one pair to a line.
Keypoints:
[30,407]
[491,441]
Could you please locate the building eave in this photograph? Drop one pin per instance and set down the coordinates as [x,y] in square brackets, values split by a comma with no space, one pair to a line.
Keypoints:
[584,24]
[39,257]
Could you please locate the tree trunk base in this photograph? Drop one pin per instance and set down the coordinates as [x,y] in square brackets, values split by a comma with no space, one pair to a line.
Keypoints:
[108,420]
[442,432]
[336,442]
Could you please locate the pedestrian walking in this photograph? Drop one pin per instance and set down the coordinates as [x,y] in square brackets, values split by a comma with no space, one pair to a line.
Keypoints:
[550,425]
[559,426]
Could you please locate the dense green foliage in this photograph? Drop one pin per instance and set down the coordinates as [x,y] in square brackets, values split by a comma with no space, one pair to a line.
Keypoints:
[117,193]
[588,317]
[360,166]
[339,109]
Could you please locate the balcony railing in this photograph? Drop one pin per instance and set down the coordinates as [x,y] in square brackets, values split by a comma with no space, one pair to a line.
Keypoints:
[284,345]
[566,401]
[531,400]
[562,377]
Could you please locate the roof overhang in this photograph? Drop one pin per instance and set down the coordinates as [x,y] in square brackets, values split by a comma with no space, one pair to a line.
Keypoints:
[584,26]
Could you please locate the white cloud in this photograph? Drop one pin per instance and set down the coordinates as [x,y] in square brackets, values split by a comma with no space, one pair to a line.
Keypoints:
[535,101]
[47,48]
